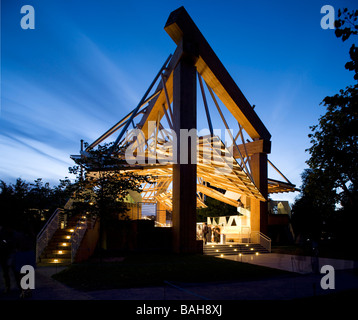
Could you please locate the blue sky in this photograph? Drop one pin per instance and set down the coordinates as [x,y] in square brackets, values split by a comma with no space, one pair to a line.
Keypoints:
[88,63]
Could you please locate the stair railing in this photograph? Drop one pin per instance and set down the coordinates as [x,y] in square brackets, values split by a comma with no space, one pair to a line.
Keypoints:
[46,233]
[77,236]
[260,238]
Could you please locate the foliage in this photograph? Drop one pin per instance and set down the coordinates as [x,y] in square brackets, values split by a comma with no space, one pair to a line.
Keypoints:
[26,206]
[330,185]
[102,185]
[315,207]
[345,27]
[334,150]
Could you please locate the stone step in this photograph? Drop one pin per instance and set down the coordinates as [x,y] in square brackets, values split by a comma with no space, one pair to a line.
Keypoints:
[233,249]
[59,251]
[54,261]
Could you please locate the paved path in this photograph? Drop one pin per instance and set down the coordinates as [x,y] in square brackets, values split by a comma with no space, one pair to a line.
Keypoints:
[302,283]
[293,263]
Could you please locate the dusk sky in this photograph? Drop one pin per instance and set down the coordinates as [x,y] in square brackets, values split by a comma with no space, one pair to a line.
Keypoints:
[88,63]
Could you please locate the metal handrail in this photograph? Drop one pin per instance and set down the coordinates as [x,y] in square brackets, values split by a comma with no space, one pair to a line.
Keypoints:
[263,240]
[46,233]
[47,222]
[77,236]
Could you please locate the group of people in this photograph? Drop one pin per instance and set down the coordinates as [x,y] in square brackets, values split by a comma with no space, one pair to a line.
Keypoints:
[210,233]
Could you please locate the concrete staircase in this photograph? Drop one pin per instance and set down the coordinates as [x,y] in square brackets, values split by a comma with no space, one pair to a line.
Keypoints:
[213,249]
[58,250]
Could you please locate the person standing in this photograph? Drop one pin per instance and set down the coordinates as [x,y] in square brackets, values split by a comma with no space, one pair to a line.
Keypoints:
[217,234]
[205,232]
[209,234]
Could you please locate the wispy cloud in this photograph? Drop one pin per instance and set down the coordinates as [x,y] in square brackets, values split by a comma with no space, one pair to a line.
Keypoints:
[42,121]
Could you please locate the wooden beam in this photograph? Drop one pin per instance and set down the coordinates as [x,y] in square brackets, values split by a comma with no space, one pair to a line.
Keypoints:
[180,25]
[156,105]
[253,147]
[184,174]
[258,216]
[216,195]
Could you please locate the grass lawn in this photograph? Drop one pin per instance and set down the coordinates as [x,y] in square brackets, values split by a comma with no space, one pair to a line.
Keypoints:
[153,269]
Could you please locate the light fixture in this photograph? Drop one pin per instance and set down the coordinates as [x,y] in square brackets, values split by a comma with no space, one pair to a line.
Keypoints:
[55,260]
[60,251]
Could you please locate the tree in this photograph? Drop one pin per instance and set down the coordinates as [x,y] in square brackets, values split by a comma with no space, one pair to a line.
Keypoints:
[344,28]
[103,182]
[315,206]
[62,192]
[334,150]
[26,206]
[332,178]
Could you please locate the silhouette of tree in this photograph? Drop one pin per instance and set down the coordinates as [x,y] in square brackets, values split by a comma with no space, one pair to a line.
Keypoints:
[332,177]
[26,206]
[102,185]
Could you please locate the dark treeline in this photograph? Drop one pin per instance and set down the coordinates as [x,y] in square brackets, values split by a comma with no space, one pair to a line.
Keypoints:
[327,207]
[26,206]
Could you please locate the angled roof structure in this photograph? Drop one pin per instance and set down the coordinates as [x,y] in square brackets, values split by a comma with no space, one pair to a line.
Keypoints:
[148,128]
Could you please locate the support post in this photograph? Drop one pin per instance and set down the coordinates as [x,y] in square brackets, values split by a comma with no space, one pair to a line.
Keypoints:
[161,214]
[184,172]
[259,216]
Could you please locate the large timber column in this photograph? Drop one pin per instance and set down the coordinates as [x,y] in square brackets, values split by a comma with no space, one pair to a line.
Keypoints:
[259,217]
[184,174]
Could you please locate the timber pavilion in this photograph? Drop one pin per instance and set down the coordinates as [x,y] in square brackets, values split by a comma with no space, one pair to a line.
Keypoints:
[185,172]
